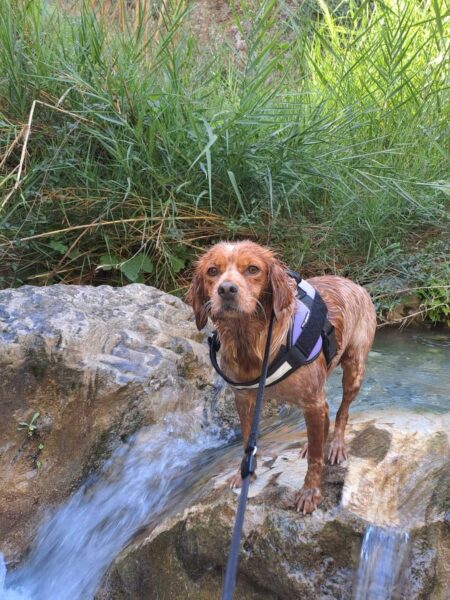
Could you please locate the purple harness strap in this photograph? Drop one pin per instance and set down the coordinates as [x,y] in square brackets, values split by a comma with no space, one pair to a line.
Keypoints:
[300,319]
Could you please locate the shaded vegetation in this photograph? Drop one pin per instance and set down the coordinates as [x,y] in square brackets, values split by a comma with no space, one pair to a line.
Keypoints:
[125,146]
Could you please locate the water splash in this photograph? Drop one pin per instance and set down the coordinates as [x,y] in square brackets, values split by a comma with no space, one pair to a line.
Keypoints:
[383,552]
[143,480]
[6,594]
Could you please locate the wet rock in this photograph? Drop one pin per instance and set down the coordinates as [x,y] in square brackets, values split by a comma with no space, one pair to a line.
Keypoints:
[396,477]
[395,304]
[96,364]
[408,306]
[371,443]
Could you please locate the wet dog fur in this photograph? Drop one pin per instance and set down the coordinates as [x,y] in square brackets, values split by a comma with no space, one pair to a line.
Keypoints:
[237,285]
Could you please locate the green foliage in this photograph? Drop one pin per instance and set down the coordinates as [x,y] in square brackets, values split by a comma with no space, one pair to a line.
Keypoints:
[422,278]
[436,299]
[328,138]
[135,267]
[435,290]
[32,431]
[30,427]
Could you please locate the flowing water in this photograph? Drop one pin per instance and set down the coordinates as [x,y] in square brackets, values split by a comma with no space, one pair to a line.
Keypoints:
[164,468]
[383,553]
[157,470]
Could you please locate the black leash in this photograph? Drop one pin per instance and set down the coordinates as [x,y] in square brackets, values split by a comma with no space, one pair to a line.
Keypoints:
[247,469]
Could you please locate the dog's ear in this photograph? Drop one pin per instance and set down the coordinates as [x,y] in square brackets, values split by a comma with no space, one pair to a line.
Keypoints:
[281,287]
[196,297]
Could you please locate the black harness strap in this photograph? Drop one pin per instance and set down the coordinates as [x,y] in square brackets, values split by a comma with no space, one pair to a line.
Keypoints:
[247,468]
[214,347]
[329,343]
[295,353]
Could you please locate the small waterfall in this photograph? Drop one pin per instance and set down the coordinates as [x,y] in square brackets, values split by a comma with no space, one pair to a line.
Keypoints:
[7,594]
[144,479]
[382,554]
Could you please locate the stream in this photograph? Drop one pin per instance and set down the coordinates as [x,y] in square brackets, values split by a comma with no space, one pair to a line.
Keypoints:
[383,553]
[164,468]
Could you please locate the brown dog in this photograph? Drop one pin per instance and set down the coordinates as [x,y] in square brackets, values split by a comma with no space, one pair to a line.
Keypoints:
[237,285]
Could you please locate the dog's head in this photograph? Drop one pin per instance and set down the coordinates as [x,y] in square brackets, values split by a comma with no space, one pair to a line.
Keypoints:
[239,279]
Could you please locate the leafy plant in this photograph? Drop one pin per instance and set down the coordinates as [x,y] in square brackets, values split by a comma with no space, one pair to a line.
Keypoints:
[37,460]
[436,300]
[30,427]
[32,432]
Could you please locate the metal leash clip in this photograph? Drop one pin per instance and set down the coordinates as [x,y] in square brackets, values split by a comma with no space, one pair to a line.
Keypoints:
[248,464]
[214,342]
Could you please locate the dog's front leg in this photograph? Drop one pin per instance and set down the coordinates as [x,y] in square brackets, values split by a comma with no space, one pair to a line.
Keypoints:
[245,405]
[316,416]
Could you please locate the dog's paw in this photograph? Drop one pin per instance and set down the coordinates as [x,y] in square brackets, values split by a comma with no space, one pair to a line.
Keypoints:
[307,500]
[337,452]
[304,451]
[236,480]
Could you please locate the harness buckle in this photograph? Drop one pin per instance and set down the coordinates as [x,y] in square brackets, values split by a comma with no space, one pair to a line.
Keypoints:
[327,327]
[329,343]
[214,342]
[248,464]
[294,275]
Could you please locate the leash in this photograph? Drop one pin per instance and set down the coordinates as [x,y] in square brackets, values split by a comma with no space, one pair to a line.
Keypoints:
[247,469]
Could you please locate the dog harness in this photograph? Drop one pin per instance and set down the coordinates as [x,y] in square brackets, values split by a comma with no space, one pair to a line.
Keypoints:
[310,334]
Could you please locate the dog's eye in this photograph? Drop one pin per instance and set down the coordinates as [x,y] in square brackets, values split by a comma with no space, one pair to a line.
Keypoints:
[212,271]
[253,269]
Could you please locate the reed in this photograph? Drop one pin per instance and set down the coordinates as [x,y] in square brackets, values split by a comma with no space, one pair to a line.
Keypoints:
[327,137]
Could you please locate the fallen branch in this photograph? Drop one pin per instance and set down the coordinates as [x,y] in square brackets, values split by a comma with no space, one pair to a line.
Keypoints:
[411,289]
[25,133]
[12,146]
[403,320]
[104,224]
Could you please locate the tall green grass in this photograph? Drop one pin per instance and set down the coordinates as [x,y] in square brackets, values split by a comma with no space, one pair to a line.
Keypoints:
[328,138]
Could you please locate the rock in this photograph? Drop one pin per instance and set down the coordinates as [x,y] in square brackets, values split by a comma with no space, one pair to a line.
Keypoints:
[408,306]
[396,477]
[96,364]
[395,304]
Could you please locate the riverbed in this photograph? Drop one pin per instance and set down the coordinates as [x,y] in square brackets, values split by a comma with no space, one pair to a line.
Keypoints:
[162,469]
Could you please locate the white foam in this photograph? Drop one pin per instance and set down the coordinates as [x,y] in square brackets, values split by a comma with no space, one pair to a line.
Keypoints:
[9,593]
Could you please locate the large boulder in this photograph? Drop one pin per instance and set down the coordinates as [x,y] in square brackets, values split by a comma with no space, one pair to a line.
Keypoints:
[96,364]
[396,478]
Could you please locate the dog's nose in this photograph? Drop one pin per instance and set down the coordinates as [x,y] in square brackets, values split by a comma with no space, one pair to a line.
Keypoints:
[227,290]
